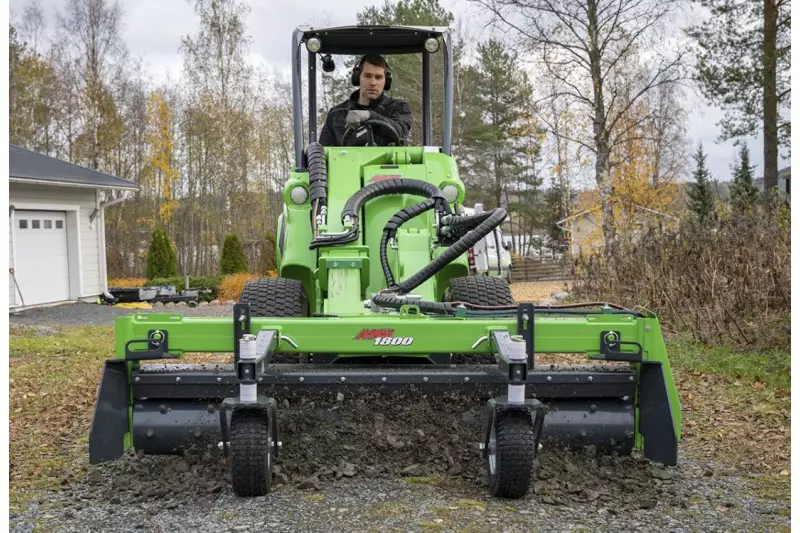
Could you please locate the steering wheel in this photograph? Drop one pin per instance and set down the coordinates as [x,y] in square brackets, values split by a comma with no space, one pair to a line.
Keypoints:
[381,124]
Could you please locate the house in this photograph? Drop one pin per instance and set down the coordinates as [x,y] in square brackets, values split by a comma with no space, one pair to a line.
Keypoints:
[57,229]
[784,184]
[585,228]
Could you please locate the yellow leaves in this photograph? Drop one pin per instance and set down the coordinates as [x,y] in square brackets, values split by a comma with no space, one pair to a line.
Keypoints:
[161,175]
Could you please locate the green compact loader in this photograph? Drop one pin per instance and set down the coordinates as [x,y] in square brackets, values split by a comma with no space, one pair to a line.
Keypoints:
[374,294]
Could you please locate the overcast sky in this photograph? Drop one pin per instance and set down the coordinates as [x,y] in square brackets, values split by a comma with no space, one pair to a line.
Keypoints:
[153,29]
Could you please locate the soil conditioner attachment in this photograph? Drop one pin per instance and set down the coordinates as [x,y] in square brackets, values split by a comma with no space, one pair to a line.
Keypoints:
[374,296]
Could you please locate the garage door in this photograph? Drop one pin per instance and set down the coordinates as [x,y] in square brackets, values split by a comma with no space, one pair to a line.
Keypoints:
[41,262]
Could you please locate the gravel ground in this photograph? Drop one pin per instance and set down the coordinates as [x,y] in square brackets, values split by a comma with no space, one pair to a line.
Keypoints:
[89,314]
[413,468]
[173,494]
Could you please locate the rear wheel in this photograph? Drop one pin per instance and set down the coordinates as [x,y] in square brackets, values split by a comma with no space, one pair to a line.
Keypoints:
[510,455]
[480,290]
[275,297]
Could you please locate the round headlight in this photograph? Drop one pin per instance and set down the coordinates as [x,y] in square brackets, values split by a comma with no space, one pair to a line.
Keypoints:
[450,193]
[314,44]
[299,195]
[432,45]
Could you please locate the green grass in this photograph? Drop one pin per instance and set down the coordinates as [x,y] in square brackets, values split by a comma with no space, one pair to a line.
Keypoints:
[770,367]
[737,411]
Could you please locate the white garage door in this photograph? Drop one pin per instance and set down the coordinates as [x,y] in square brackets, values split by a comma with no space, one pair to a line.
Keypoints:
[41,262]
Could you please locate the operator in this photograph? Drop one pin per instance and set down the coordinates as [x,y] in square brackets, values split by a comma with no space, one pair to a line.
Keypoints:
[372,76]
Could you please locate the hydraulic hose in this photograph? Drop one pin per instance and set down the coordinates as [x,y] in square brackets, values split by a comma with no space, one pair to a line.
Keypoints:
[390,231]
[394,186]
[317,181]
[466,242]
[372,191]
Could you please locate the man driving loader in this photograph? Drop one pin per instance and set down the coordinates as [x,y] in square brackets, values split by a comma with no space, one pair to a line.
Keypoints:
[368,106]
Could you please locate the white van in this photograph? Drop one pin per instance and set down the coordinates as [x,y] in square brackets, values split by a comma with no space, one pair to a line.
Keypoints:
[490,255]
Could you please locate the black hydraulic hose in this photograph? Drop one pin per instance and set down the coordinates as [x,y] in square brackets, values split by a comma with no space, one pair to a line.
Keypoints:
[459,224]
[374,190]
[394,186]
[449,308]
[317,173]
[390,231]
[459,247]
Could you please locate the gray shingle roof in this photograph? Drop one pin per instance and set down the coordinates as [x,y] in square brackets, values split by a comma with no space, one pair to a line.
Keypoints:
[26,165]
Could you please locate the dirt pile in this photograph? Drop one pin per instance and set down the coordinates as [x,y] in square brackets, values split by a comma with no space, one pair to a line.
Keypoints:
[427,438]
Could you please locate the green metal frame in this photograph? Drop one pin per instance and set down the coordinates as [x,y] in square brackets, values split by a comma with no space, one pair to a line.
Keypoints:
[553,334]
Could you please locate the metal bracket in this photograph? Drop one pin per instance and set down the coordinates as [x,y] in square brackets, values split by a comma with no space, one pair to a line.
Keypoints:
[610,343]
[241,325]
[157,346]
[525,313]
[249,370]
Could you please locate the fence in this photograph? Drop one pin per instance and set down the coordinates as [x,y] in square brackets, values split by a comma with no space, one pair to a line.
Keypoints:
[539,270]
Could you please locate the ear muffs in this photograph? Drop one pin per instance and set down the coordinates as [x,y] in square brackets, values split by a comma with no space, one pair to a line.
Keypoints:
[355,75]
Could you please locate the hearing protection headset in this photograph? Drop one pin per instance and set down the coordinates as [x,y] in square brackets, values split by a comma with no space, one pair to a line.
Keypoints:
[355,76]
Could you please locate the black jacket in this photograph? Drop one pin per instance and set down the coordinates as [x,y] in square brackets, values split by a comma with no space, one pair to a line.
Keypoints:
[395,111]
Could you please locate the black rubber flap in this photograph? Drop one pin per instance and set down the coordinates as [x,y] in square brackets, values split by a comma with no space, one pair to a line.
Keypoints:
[110,421]
[655,416]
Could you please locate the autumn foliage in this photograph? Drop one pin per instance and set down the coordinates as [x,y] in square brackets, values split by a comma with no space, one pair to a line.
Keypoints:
[232,286]
[724,284]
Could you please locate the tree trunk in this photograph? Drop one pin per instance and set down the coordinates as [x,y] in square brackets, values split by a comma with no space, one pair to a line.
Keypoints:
[603,151]
[770,98]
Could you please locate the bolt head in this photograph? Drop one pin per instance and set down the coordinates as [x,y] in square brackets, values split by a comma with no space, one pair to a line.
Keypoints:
[302,379]
[630,378]
[219,380]
[343,378]
[178,379]
[549,378]
[136,379]
[466,380]
[260,380]
[648,328]
[591,378]
[425,379]
[383,380]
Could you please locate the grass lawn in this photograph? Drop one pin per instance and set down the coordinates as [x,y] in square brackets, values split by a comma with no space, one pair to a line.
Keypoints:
[736,407]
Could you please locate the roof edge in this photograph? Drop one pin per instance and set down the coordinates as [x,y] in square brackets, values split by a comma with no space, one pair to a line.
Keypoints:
[132,187]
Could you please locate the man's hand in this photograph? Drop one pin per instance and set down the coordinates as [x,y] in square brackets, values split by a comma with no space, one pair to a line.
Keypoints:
[356,117]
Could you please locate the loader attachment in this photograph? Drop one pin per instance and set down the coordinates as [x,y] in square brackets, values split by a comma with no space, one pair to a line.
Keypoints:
[163,406]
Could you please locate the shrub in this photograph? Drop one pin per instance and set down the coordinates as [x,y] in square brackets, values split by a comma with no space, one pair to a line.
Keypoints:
[162,260]
[727,283]
[233,259]
[232,286]
[127,282]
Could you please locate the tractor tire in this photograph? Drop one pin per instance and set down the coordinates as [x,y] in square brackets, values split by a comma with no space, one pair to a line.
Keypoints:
[510,455]
[275,297]
[479,290]
[251,452]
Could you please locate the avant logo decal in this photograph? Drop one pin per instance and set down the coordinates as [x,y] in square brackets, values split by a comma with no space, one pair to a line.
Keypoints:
[383,337]
[384,177]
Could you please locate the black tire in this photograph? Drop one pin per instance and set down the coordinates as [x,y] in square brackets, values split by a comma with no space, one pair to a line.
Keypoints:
[251,453]
[479,290]
[511,454]
[275,297]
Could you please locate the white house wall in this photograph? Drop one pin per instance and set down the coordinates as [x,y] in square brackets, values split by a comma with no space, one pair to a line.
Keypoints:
[12,289]
[25,196]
